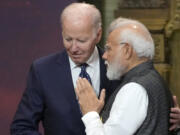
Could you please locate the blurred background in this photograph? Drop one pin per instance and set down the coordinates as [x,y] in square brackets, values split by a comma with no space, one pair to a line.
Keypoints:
[30,29]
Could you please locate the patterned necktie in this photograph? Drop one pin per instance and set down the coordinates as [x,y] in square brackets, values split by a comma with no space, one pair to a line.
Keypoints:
[83,73]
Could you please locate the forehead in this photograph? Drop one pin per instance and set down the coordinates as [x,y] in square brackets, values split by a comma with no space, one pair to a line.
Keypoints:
[113,38]
[77,21]
[76,24]
[79,16]
[77,29]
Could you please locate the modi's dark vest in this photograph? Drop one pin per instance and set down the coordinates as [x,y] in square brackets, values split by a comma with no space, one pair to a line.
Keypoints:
[160,99]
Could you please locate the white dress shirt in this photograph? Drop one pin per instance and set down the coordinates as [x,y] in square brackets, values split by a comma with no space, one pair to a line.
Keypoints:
[128,112]
[93,69]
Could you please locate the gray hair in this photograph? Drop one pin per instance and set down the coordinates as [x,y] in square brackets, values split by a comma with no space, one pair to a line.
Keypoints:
[83,9]
[141,41]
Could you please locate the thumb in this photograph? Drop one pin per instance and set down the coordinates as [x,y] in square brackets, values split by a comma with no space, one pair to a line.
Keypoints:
[175,101]
[102,96]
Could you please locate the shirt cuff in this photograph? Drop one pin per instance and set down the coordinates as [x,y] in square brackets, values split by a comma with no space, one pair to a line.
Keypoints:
[91,120]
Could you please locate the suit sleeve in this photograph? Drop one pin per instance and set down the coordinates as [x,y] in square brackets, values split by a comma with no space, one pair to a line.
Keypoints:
[30,109]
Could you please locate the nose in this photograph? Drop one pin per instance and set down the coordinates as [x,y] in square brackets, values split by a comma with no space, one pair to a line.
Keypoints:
[74,46]
[104,55]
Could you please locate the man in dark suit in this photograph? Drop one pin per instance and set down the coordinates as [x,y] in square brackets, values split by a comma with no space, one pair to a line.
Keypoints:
[49,96]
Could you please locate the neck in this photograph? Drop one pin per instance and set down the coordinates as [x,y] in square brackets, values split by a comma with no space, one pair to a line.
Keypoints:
[135,63]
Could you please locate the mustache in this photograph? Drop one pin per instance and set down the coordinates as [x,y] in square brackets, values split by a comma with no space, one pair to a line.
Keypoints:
[106,63]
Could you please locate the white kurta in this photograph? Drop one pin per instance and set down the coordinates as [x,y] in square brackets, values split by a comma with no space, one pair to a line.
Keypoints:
[128,112]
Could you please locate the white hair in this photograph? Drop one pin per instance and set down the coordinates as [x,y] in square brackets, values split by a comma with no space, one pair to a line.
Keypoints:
[140,38]
[116,23]
[83,9]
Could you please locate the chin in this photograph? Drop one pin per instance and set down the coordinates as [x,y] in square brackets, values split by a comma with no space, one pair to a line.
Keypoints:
[112,76]
[114,72]
[79,61]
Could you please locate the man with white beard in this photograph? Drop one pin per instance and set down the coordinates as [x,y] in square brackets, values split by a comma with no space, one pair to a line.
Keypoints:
[141,104]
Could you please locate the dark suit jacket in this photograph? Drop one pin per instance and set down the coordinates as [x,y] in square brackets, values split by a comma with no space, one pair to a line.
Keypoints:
[50,98]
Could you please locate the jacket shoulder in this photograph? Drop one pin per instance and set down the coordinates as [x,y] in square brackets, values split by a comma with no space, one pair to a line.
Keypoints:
[49,59]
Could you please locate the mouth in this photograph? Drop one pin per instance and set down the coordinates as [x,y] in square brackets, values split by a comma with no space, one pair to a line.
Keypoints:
[76,56]
[106,63]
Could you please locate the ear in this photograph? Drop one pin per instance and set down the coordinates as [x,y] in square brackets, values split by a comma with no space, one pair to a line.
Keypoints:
[99,35]
[128,51]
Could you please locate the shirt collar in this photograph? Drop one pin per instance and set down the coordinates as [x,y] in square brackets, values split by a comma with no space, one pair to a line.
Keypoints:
[92,61]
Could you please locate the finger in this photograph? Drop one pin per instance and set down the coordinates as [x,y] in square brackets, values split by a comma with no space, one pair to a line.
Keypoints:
[175,110]
[175,101]
[86,82]
[77,85]
[88,86]
[77,95]
[173,127]
[102,96]
[77,89]
[173,121]
[174,116]
[81,83]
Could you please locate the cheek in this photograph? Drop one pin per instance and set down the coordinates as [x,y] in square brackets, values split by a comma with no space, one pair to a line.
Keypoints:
[88,48]
[85,51]
[66,44]
[111,57]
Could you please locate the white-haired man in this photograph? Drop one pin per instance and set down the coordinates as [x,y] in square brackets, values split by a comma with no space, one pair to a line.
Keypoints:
[141,103]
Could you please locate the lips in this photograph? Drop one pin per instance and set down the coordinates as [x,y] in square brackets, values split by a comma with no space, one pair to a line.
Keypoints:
[76,56]
[106,63]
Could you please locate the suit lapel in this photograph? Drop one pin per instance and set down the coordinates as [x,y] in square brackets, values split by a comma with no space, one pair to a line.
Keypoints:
[103,78]
[67,86]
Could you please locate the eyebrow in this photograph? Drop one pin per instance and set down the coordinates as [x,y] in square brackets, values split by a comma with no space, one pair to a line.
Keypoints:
[107,47]
[121,43]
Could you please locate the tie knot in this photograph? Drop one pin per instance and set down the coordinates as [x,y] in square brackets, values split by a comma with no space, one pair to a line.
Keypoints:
[83,66]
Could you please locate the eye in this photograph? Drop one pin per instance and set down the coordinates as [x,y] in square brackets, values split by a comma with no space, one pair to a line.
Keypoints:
[81,41]
[107,48]
[68,39]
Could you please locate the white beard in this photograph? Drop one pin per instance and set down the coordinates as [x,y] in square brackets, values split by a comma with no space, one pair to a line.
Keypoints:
[115,70]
